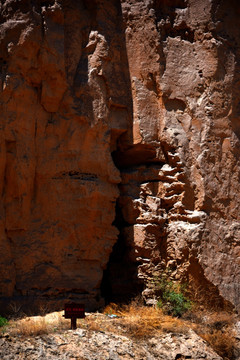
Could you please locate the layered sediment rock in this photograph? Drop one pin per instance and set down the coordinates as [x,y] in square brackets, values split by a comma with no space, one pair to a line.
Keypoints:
[133,100]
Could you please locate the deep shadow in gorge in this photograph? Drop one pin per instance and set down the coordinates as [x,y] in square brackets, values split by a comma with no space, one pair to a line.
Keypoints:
[137,164]
[120,282]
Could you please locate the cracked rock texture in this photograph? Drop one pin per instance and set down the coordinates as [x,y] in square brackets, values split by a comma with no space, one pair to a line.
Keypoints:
[118,114]
[94,345]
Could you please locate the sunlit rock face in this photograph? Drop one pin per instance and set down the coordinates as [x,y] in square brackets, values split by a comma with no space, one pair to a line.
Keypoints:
[120,124]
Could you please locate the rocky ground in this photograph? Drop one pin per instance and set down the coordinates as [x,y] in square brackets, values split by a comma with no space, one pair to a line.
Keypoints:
[84,344]
[104,336]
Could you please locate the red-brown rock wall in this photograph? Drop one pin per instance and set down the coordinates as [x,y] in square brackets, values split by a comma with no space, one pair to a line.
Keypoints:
[181,206]
[64,101]
[130,100]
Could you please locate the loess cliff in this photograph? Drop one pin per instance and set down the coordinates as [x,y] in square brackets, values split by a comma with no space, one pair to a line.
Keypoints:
[119,148]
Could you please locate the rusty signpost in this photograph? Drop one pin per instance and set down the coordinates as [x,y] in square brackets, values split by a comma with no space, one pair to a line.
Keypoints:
[74,311]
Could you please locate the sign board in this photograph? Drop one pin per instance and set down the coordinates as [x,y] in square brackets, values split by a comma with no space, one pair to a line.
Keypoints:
[74,311]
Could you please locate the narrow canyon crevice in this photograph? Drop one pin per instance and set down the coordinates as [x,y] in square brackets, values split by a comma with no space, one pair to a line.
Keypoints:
[141,218]
[120,279]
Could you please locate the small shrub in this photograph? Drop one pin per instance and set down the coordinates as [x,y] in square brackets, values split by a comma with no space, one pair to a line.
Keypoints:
[178,303]
[3,321]
[171,296]
[15,309]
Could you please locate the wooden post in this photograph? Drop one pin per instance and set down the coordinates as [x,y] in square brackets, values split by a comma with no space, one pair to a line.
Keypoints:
[73,323]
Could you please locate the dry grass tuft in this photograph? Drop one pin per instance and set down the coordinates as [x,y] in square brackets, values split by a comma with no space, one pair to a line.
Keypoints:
[38,325]
[222,342]
[95,325]
[217,329]
[28,327]
[141,321]
[113,309]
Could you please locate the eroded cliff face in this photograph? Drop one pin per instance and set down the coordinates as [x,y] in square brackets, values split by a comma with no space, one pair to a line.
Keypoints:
[65,99]
[127,105]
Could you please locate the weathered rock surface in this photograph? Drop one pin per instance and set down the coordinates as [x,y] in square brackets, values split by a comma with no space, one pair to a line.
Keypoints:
[179,204]
[130,100]
[64,101]
[87,344]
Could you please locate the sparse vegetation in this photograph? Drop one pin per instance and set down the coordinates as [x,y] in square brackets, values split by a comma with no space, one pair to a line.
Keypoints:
[171,295]
[37,325]
[222,342]
[32,328]
[141,322]
[3,321]
[218,330]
